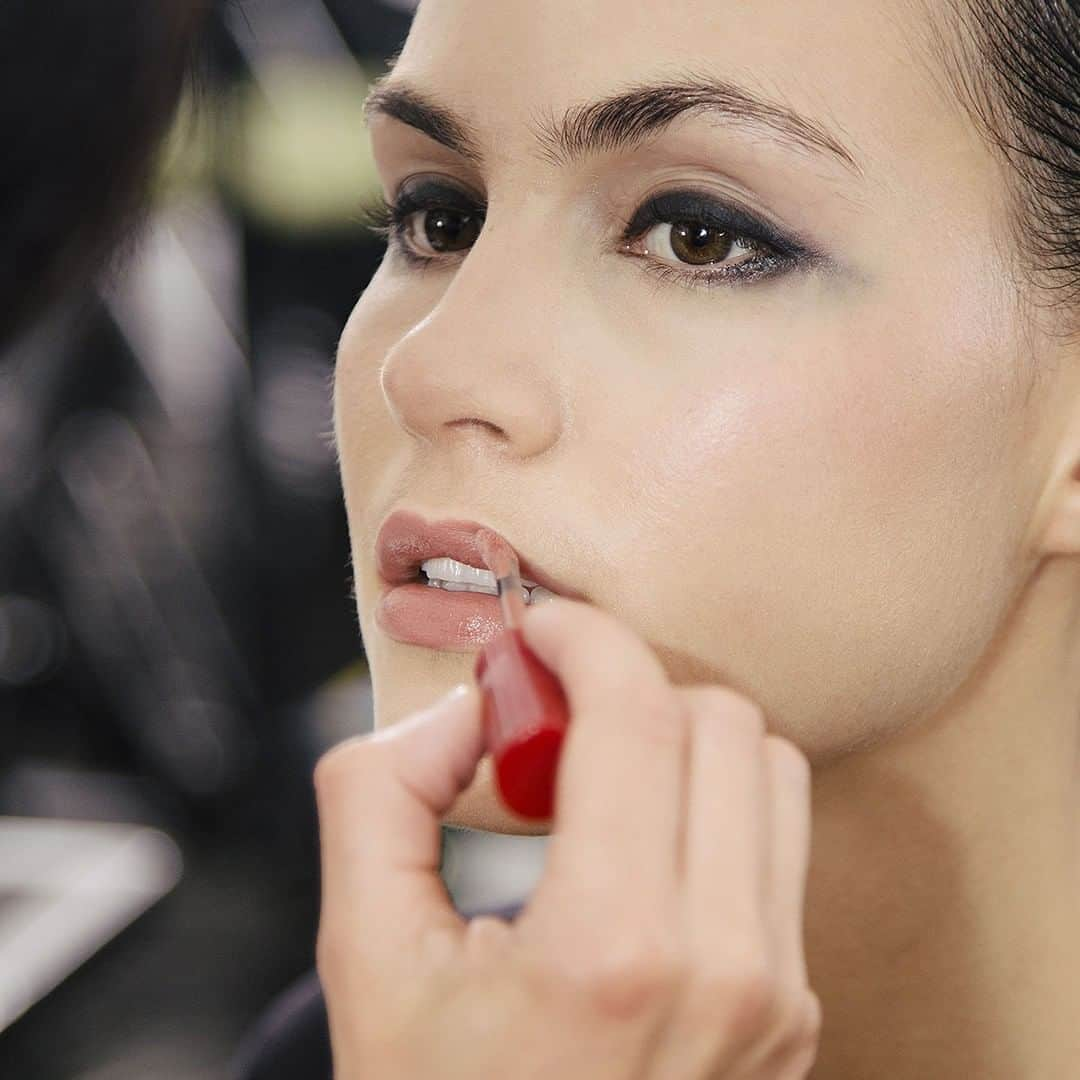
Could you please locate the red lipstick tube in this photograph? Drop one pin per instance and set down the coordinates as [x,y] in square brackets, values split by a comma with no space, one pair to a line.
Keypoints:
[525,712]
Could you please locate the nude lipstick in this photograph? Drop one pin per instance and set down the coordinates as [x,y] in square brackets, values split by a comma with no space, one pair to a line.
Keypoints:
[411,612]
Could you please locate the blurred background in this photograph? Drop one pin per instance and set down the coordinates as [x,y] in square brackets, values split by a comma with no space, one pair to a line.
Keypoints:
[177,638]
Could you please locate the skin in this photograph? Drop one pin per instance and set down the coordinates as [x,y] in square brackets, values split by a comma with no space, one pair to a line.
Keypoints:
[852,494]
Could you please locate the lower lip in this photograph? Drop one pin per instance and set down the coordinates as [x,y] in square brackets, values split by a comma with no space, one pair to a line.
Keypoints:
[437,618]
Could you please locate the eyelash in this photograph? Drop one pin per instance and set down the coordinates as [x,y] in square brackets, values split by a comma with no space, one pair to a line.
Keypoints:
[775,252]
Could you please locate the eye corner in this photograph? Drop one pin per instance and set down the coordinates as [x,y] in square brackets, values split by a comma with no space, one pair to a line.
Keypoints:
[375,216]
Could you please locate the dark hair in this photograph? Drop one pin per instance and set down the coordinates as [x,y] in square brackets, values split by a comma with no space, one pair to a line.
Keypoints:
[1019,75]
[87,90]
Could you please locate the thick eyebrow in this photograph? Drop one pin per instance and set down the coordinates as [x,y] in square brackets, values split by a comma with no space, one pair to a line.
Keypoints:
[621,121]
[409,105]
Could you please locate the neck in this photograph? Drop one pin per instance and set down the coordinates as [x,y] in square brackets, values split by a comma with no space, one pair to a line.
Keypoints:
[943,900]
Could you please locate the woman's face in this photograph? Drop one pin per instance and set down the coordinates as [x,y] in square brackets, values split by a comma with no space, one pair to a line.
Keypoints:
[751,375]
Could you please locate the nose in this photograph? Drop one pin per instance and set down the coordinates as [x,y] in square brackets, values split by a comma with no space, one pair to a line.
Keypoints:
[479,369]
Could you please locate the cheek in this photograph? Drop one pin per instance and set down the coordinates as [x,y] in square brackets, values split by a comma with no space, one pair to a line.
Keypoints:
[368,440]
[365,429]
[832,526]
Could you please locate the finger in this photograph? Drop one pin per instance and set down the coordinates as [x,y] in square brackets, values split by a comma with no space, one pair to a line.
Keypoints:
[620,786]
[381,798]
[788,774]
[725,859]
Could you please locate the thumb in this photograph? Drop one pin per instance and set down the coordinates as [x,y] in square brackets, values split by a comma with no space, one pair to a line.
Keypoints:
[381,798]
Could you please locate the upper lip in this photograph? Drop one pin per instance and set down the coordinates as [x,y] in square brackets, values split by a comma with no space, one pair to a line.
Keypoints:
[406,539]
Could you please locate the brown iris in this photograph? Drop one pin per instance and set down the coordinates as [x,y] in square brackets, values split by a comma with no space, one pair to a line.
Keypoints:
[450,230]
[698,244]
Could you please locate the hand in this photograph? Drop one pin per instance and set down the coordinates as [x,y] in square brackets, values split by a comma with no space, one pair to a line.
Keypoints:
[664,938]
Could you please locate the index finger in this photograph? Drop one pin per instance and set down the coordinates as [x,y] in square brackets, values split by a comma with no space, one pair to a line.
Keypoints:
[620,786]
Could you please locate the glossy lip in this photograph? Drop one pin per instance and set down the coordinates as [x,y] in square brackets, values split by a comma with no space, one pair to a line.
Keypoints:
[406,539]
[417,614]
[414,612]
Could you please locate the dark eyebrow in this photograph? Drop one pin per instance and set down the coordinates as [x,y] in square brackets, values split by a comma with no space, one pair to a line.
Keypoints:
[620,121]
[411,107]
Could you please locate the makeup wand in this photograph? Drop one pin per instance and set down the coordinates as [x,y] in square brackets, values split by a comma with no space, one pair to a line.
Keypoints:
[525,711]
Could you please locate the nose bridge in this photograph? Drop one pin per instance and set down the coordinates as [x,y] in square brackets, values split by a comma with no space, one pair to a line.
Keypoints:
[481,364]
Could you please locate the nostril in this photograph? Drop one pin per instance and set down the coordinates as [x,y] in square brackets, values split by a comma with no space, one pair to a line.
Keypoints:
[470,420]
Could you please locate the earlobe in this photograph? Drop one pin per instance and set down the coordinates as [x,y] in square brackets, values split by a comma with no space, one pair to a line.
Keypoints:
[1062,533]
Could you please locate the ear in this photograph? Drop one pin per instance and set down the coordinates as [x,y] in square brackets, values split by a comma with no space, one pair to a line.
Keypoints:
[1061,535]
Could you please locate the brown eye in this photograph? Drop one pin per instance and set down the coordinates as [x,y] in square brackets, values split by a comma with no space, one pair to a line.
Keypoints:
[696,243]
[445,229]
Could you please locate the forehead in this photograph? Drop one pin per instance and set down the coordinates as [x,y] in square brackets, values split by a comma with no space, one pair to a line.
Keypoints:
[861,67]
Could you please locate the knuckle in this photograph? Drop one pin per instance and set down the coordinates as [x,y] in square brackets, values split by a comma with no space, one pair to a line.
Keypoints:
[630,990]
[810,1017]
[746,1000]
[800,1031]
[621,986]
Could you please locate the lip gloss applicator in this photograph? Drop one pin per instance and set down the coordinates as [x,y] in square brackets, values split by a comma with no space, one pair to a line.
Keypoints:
[525,712]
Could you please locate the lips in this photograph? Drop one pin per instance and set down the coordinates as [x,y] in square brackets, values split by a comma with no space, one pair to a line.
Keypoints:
[406,540]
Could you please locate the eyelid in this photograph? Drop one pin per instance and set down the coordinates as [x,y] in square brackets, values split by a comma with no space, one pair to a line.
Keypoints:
[689,204]
[780,249]
[423,192]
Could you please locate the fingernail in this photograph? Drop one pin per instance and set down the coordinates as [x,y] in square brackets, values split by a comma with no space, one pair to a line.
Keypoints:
[452,695]
[420,717]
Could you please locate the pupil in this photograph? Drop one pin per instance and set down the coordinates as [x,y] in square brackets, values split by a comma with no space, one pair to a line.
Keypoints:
[449,230]
[696,243]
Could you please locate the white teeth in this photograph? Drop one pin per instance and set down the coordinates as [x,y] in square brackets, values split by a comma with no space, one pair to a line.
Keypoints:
[457,576]
[450,570]
[453,572]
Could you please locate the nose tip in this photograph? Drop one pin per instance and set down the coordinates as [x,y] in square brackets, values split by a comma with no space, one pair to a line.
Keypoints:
[512,407]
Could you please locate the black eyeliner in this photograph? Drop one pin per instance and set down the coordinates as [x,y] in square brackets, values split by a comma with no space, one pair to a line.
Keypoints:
[777,250]
[430,195]
[389,220]
[672,206]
